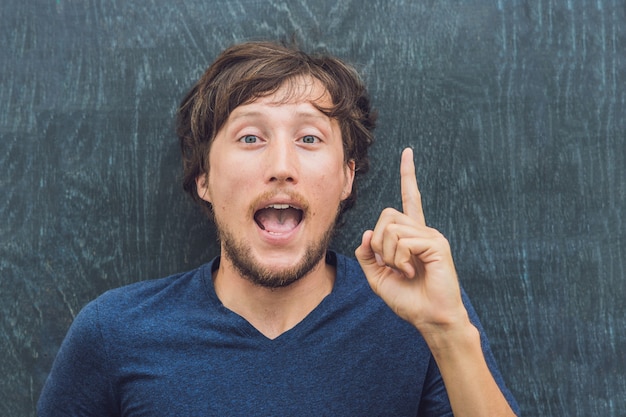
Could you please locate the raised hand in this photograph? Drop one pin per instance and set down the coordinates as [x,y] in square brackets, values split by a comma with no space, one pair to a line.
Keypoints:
[409,265]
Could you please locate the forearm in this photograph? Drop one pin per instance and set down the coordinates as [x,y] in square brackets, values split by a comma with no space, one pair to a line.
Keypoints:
[471,387]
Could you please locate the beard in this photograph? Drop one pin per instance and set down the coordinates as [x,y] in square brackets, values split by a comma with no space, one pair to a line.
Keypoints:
[238,252]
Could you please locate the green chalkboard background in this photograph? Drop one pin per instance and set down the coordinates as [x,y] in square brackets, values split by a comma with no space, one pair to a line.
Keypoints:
[516,111]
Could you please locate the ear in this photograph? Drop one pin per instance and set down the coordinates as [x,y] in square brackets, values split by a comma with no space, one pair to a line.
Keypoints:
[202,187]
[349,179]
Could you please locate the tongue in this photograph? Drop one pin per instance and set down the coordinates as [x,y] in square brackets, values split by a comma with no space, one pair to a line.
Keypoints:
[278,221]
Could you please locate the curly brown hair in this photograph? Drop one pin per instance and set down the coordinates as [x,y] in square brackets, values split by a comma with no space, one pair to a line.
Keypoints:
[247,71]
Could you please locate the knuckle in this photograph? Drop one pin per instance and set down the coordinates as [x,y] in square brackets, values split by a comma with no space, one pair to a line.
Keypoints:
[441,240]
[388,212]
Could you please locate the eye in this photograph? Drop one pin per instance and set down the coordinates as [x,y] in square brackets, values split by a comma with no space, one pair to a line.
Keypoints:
[310,139]
[249,139]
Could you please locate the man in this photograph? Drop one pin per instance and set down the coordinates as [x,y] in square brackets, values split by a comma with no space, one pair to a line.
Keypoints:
[273,141]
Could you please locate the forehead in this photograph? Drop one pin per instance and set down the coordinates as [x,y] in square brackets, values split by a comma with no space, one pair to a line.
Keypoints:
[298,90]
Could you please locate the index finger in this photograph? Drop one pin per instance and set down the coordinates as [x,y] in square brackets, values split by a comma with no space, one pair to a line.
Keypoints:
[411,197]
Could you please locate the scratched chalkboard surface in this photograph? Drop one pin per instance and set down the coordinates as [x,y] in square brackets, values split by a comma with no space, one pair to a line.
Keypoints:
[516,111]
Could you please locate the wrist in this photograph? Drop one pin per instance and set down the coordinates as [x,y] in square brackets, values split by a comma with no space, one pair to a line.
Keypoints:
[452,338]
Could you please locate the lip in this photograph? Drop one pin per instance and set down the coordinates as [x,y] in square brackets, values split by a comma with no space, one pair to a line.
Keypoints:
[284,238]
[278,239]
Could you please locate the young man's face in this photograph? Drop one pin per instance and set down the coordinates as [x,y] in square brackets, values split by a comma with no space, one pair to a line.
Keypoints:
[276,179]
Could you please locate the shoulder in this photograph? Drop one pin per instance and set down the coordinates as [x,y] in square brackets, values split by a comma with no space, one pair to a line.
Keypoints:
[157,293]
[348,270]
[351,286]
[357,302]
[138,307]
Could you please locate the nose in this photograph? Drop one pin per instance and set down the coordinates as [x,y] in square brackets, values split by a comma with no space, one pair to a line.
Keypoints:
[282,161]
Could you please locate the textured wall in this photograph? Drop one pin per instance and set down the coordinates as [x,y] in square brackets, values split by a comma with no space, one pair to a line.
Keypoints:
[517,112]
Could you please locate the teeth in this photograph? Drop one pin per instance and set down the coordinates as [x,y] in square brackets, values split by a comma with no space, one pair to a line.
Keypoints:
[278,206]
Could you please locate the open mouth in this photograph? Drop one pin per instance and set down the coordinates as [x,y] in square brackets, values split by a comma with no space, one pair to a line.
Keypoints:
[278,218]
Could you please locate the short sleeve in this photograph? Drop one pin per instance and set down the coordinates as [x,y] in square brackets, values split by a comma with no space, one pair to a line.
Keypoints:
[434,401]
[79,383]
[489,358]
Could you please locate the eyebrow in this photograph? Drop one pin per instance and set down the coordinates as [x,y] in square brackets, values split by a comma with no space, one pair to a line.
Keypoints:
[305,114]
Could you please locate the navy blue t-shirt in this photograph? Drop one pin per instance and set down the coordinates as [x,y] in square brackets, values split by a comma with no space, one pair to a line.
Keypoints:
[169,347]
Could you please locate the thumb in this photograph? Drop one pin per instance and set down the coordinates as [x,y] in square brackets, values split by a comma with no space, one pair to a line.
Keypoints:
[365,255]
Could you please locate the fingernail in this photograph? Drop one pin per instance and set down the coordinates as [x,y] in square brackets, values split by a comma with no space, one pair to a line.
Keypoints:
[379,259]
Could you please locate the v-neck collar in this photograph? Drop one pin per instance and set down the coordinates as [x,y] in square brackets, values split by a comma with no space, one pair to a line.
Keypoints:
[252,334]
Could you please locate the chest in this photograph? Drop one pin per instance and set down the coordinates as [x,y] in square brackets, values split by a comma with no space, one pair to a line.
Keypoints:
[347,372]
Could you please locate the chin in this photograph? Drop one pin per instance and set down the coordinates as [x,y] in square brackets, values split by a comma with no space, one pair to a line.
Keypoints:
[263,272]
[278,276]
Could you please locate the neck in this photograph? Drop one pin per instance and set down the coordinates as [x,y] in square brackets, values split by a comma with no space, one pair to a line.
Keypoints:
[273,311]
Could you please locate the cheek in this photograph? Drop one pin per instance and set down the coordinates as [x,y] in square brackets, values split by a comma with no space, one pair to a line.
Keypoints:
[226,186]
[328,189]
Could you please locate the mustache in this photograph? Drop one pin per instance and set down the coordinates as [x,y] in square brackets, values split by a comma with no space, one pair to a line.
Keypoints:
[293,197]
